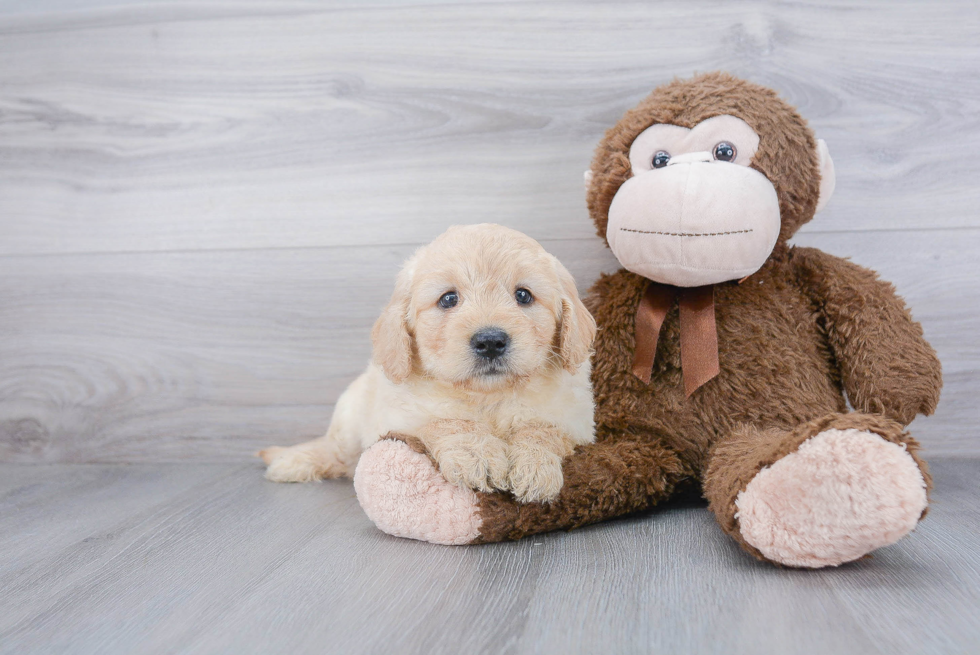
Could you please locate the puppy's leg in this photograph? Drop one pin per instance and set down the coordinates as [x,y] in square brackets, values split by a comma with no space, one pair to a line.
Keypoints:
[536,455]
[333,455]
[326,457]
[467,453]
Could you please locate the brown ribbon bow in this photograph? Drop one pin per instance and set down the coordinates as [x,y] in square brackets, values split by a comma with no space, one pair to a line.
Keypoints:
[699,336]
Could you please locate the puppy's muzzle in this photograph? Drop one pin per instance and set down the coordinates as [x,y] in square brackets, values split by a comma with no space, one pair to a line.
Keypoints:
[490,343]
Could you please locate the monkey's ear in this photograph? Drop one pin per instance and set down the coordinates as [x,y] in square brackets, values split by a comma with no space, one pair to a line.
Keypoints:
[576,327]
[828,180]
[390,336]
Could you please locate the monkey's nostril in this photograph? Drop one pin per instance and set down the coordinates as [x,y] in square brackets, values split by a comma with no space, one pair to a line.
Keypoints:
[490,342]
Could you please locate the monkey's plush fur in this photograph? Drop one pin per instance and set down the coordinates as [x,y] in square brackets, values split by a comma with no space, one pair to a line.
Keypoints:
[793,339]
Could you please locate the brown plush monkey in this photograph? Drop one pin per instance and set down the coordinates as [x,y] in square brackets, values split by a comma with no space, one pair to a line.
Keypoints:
[723,354]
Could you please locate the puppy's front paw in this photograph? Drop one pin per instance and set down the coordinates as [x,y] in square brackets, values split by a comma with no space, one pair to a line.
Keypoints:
[535,475]
[479,464]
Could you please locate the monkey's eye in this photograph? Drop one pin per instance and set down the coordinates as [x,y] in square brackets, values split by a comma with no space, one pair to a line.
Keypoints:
[725,151]
[660,159]
[523,296]
[449,300]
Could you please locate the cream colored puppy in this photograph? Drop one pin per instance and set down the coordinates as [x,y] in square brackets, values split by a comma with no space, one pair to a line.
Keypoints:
[483,354]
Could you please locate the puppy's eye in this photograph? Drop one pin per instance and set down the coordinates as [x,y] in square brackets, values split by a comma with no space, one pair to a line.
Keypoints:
[725,151]
[660,159]
[449,299]
[523,296]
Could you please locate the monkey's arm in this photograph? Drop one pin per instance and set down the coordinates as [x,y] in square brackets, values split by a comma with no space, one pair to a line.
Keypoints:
[616,476]
[401,488]
[886,365]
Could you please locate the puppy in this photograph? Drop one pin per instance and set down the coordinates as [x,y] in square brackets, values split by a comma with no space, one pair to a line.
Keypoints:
[483,354]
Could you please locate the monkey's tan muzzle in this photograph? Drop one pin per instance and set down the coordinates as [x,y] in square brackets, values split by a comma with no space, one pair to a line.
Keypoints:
[694,222]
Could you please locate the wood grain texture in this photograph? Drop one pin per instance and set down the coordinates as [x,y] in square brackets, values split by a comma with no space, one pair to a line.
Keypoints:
[212,558]
[203,205]
[175,126]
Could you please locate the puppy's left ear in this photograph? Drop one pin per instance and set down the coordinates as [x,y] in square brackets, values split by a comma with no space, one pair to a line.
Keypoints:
[390,336]
[576,327]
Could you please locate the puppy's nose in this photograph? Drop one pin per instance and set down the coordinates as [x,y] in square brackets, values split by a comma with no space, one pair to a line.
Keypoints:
[490,343]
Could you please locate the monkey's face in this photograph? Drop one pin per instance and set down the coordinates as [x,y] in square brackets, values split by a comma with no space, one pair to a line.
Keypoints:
[694,212]
[698,183]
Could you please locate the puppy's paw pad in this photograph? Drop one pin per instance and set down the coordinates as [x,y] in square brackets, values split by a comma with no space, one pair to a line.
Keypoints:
[535,476]
[292,466]
[842,494]
[404,495]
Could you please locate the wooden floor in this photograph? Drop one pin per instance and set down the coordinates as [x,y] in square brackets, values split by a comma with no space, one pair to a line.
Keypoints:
[210,558]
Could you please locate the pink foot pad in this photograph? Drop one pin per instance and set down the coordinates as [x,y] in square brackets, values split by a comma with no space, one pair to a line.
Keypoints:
[405,495]
[842,494]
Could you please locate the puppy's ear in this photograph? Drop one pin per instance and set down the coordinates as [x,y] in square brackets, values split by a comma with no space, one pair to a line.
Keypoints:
[390,336]
[576,327]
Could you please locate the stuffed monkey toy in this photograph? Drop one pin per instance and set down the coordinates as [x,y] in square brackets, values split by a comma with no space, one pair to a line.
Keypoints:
[725,358]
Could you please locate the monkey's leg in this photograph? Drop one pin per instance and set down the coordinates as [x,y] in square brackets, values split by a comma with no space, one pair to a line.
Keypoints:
[402,491]
[827,492]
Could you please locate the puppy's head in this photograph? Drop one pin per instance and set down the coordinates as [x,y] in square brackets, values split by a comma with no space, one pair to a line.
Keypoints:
[481,307]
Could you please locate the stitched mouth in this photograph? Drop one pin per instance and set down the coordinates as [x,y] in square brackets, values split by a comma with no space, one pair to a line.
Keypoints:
[687,234]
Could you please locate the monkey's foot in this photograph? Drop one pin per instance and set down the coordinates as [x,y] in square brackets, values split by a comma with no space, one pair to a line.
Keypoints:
[404,494]
[842,494]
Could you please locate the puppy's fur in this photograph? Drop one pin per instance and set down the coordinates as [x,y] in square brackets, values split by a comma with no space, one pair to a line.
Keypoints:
[505,423]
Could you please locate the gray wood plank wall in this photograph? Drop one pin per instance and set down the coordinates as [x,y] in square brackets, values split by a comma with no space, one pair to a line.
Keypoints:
[202,206]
